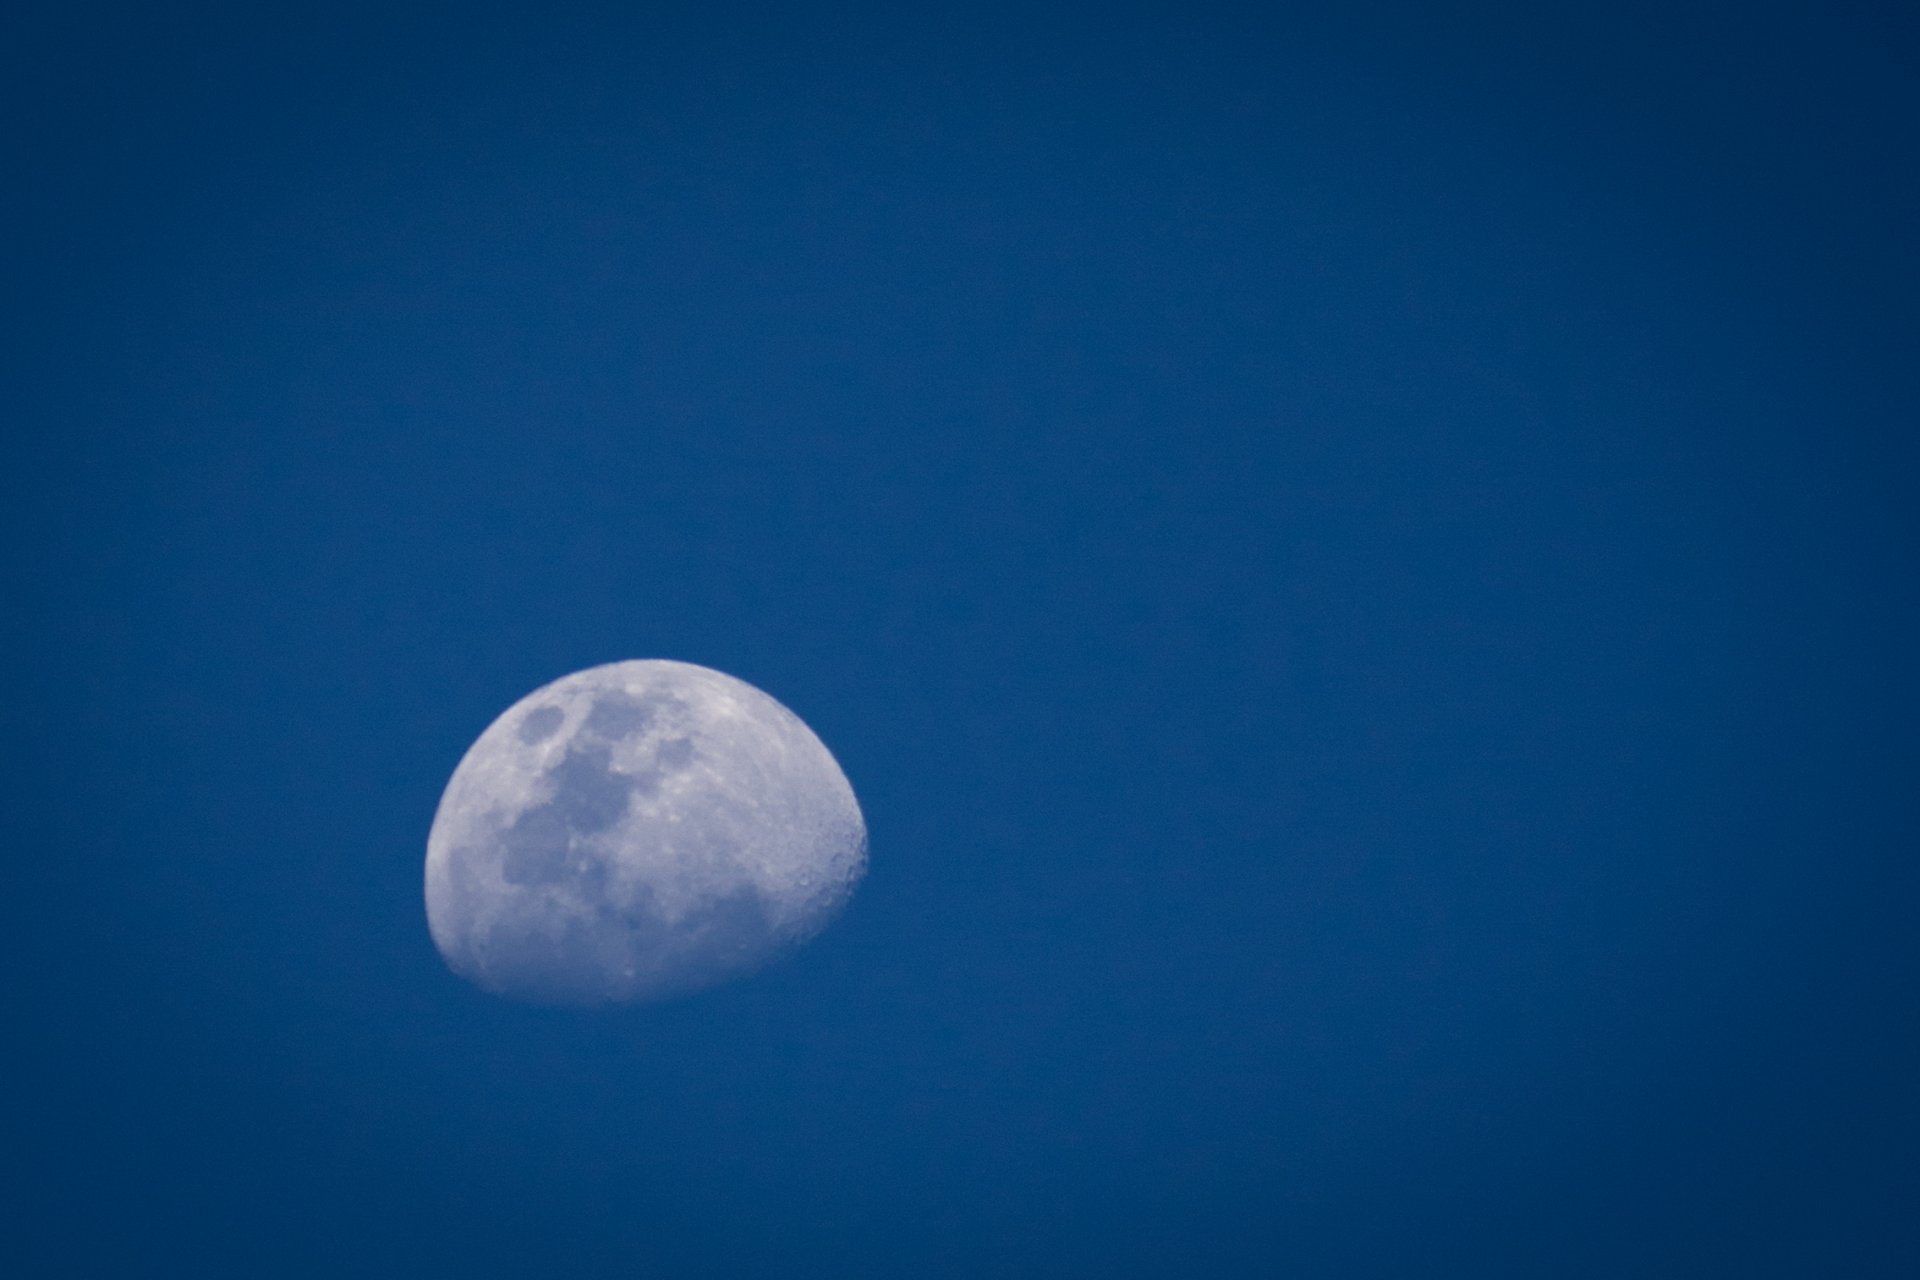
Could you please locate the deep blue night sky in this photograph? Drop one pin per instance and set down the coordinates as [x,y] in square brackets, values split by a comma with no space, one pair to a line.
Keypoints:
[1362,569]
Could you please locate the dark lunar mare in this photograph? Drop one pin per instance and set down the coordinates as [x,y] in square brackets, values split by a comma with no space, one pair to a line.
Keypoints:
[558,959]
[540,724]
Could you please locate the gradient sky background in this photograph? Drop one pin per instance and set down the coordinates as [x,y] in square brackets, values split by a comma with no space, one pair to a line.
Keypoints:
[1360,566]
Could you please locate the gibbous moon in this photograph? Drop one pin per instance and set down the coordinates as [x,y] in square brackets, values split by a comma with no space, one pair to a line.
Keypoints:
[635,831]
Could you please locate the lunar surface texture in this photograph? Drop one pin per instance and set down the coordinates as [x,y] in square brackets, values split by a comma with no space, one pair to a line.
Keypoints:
[636,831]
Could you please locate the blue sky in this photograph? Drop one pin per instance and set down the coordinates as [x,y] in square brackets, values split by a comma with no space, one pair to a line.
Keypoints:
[1360,567]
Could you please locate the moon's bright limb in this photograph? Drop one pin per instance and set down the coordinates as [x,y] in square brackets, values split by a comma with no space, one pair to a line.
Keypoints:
[638,830]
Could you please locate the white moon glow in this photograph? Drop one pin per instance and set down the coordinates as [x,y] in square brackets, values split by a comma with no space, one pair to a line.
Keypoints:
[634,831]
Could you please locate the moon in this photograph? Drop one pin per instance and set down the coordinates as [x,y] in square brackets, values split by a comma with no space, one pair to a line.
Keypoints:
[636,831]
